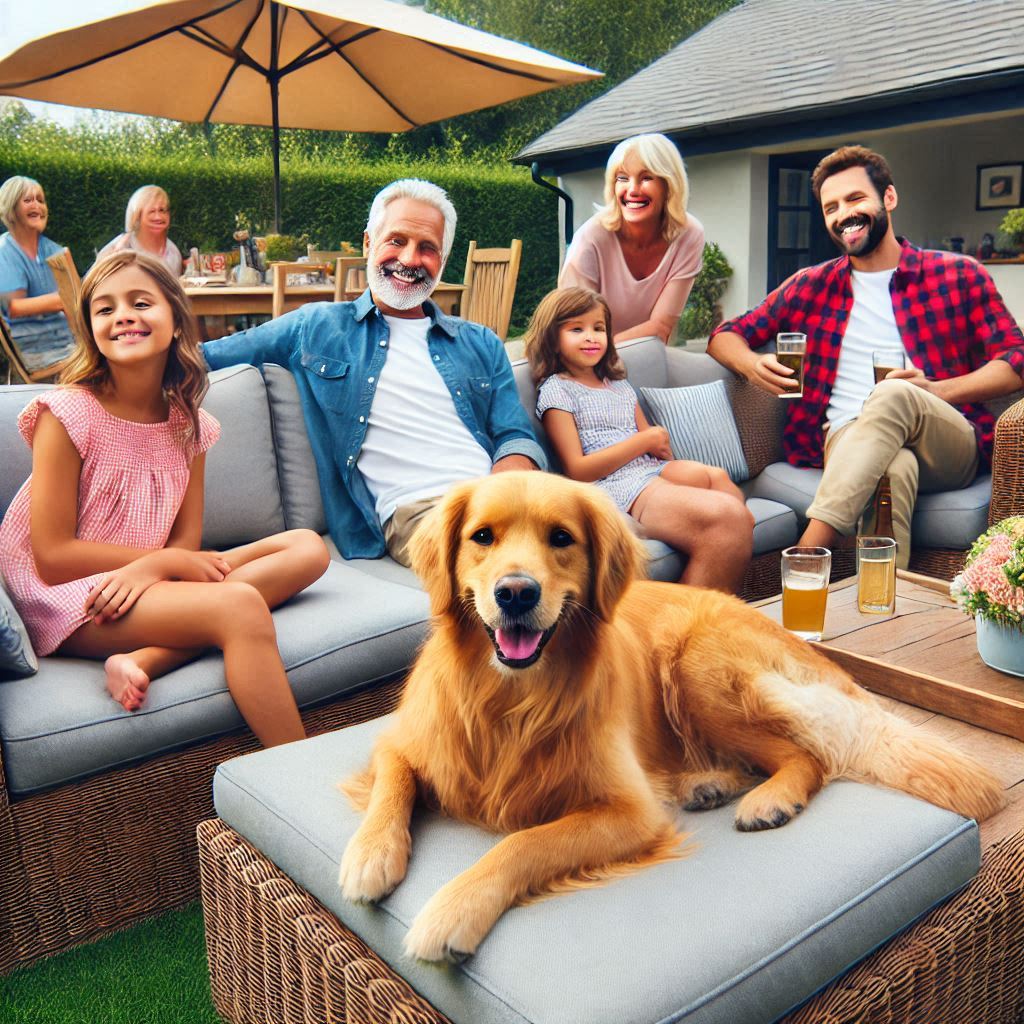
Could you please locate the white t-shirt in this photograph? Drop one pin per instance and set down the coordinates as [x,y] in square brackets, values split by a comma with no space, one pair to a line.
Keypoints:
[416,446]
[872,327]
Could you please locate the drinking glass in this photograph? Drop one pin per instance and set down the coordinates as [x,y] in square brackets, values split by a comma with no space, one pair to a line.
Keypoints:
[790,350]
[887,359]
[805,573]
[876,575]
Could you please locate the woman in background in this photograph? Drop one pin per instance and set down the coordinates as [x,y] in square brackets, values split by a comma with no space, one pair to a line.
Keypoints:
[28,289]
[146,222]
[642,250]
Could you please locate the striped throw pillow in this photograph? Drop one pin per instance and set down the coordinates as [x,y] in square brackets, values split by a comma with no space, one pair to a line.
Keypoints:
[700,425]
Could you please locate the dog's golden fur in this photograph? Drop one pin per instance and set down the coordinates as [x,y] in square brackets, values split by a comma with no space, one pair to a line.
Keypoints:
[645,695]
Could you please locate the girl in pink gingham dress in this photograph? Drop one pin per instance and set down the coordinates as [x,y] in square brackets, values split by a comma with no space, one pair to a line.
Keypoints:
[99,548]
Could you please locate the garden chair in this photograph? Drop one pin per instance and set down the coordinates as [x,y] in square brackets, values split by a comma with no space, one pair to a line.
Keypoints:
[69,286]
[490,283]
[349,277]
[16,365]
[280,283]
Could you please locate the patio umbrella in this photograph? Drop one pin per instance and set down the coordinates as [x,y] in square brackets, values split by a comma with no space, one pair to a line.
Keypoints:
[344,65]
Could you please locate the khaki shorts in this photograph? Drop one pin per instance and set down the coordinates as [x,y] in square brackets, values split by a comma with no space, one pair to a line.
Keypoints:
[398,530]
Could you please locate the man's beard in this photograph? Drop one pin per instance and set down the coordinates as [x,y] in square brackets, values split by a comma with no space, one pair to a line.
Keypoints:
[879,225]
[379,278]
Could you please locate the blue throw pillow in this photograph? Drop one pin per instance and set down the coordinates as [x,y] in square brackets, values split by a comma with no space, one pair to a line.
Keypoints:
[700,425]
[17,659]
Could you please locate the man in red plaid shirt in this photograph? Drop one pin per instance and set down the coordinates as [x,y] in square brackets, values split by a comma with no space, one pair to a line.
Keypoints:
[922,425]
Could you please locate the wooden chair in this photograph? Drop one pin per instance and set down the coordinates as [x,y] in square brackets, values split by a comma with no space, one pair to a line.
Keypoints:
[349,277]
[327,255]
[16,364]
[490,282]
[69,287]
[280,282]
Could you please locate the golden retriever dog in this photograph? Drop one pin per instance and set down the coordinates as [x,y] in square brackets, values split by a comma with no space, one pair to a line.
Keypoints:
[564,701]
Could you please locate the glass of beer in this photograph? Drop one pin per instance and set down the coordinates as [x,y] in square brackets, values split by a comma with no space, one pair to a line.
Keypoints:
[876,575]
[886,360]
[790,350]
[805,573]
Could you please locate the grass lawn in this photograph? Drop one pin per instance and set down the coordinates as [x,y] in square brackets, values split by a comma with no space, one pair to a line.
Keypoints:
[154,973]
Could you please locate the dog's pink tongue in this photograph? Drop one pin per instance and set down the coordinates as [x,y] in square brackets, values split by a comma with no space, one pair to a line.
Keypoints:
[517,644]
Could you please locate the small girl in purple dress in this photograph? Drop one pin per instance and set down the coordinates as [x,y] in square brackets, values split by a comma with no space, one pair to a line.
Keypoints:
[596,426]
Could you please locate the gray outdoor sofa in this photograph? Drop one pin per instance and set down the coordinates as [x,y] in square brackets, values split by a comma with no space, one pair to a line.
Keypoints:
[85,785]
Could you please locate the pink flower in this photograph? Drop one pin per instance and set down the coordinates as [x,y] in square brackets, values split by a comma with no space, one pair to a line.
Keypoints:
[985,575]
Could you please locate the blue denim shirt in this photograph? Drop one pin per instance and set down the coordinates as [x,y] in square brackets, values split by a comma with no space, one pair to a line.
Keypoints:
[335,351]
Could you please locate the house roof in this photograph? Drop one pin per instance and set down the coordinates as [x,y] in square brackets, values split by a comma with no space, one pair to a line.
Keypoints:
[773,62]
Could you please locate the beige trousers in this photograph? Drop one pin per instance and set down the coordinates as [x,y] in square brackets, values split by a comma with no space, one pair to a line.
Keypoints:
[398,530]
[920,441]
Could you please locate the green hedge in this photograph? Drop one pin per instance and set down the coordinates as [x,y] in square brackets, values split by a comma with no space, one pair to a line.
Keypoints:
[327,201]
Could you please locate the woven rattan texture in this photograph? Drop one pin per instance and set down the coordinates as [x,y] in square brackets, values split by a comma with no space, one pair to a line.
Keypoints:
[1008,465]
[759,419]
[279,957]
[937,562]
[58,883]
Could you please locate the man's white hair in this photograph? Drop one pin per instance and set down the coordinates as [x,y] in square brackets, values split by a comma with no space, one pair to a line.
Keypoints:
[423,192]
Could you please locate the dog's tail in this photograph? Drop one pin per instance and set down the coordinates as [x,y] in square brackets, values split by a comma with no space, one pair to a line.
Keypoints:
[893,753]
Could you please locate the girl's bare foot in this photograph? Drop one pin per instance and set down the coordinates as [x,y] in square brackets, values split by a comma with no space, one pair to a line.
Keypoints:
[126,682]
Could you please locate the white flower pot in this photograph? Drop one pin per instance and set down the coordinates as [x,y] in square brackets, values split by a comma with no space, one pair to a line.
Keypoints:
[1001,647]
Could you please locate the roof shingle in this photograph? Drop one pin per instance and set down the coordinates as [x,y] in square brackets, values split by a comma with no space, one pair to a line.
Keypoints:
[766,58]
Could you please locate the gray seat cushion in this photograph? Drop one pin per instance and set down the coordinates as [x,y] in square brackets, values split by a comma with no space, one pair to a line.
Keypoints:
[738,932]
[793,486]
[945,519]
[346,631]
[952,519]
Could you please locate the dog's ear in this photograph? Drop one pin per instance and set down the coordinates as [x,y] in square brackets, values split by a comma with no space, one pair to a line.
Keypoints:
[617,556]
[434,546]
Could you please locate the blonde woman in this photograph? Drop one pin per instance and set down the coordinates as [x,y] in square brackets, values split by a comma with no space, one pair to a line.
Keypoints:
[642,250]
[146,222]
[28,291]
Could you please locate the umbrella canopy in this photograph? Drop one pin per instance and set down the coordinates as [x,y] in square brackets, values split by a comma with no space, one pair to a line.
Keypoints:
[343,65]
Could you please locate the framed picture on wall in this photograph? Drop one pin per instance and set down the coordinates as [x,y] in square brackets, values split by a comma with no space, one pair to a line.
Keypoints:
[999,185]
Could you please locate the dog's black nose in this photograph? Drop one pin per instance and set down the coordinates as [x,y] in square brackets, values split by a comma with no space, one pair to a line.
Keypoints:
[517,595]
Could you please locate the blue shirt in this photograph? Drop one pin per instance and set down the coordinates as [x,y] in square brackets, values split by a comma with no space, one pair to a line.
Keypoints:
[18,273]
[335,351]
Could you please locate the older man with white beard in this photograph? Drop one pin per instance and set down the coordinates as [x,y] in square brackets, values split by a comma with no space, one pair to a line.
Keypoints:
[400,401]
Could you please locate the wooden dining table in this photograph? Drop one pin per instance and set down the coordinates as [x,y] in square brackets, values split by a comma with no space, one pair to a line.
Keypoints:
[236,300]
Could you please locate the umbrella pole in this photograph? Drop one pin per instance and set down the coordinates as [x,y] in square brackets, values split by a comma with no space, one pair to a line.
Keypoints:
[275,116]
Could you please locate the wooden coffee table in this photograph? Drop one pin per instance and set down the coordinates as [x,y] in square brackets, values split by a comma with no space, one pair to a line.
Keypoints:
[923,663]
[924,654]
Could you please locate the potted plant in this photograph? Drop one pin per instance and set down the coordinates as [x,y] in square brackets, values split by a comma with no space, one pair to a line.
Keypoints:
[991,588]
[1012,227]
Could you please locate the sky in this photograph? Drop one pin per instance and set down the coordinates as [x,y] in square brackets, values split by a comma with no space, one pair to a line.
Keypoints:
[29,19]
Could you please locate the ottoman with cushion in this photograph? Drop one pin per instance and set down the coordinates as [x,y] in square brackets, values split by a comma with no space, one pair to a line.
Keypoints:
[744,928]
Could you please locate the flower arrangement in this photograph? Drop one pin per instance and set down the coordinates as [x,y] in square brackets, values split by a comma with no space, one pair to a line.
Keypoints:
[991,585]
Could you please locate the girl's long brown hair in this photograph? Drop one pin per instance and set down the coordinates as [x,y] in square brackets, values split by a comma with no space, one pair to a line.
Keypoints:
[541,339]
[184,381]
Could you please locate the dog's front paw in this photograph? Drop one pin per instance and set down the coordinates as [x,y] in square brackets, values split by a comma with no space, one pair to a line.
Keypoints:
[374,863]
[452,924]
[704,791]
[761,809]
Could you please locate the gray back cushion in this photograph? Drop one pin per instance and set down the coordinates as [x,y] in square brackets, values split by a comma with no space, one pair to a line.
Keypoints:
[15,455]
[243,499]
[296,466]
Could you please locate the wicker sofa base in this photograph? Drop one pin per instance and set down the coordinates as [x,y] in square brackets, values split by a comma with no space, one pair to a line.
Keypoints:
[278,957]
[62,852]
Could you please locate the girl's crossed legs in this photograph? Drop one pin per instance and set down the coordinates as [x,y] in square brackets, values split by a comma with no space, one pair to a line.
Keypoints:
[708,521]
[173,622]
